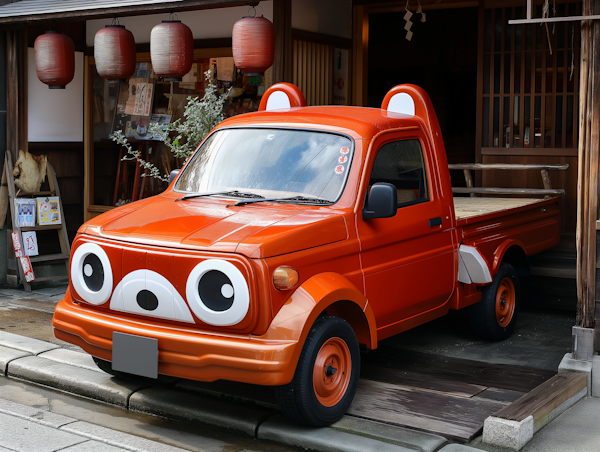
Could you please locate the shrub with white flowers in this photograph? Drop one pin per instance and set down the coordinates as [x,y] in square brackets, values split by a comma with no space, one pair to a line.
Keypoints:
[184,135]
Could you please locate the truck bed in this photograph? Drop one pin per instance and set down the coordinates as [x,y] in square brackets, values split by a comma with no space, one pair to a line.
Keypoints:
[467,207]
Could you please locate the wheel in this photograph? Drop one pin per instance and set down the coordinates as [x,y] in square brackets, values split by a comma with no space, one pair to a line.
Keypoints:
[494,317]
[106,366]
[326,375]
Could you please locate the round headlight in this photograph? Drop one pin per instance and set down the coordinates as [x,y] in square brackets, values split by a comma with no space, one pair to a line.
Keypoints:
[217,293]
[91,273]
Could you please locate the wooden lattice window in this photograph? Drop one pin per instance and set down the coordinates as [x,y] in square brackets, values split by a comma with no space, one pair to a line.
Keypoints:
[530,92]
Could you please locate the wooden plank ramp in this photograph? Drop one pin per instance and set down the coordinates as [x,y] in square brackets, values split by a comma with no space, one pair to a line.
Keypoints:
[448,396]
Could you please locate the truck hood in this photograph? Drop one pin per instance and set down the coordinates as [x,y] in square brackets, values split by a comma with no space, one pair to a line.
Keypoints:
[256,231]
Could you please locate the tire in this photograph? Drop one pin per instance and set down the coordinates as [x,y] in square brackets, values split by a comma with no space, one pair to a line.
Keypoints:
[495,316]
[326,376]
[106,366]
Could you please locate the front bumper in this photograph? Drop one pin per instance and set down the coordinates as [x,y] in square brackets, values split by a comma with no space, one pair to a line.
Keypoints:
[182,352]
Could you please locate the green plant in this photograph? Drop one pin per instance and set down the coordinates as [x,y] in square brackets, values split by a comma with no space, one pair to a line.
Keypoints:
[182,136]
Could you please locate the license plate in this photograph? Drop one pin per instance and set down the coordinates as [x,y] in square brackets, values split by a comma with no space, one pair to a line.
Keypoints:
[135,355]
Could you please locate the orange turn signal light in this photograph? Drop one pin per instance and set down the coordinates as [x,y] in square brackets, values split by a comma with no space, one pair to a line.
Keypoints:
[285,278]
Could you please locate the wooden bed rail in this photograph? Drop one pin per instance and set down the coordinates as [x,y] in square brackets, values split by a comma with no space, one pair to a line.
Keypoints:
[547,191]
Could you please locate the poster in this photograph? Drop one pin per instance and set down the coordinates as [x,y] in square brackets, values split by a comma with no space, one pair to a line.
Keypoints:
[26,264]
[48,210]
[225,69]
[25,212]
[30,246]
[143,99]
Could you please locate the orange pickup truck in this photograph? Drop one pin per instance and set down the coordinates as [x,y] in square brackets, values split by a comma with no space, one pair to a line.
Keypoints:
[293,236]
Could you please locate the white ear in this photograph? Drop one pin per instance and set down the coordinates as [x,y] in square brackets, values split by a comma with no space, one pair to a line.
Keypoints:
[401,103]
[278,100]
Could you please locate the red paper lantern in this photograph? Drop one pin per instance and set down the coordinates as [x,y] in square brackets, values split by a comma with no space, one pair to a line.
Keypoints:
[171,50]
[253,43]
[54,55]
[114,53]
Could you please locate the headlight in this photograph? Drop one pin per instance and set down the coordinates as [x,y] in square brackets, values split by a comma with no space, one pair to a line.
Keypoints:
[91,273]
[217,293]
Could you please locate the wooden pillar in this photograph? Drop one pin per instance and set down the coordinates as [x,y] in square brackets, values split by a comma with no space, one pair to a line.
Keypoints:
[282,20]
[588,171]
[16,91]
[360,49]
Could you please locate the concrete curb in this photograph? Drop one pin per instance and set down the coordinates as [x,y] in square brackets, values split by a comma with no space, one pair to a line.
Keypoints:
[425,442]
[9,354]
[183,406]
[282,430]
[73,379]
[72,358]
[511,434]
[26,344]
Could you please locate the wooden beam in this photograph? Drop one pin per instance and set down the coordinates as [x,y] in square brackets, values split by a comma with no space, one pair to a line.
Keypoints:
[554,19]
[282,20]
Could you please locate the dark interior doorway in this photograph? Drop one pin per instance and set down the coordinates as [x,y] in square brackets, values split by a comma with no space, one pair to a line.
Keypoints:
[442,59]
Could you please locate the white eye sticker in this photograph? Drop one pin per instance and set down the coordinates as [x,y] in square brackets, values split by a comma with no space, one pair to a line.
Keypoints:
[339,169]
[270,136]
[344,150]
[343,159]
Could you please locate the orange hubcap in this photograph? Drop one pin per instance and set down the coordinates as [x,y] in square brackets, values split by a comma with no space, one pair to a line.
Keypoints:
[505,302]
[332,370]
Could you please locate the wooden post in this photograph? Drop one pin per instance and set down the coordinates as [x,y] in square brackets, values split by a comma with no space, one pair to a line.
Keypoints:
[360,48]
[282,20]
[16,91]
[588,173]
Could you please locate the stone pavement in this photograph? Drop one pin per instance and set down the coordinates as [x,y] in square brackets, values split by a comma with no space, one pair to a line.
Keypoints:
[28,429]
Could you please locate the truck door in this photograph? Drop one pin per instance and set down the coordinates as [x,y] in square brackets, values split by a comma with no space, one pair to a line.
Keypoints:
[408,260]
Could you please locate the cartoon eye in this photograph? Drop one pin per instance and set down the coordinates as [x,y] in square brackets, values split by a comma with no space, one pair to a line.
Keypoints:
[217,293]
[91,273]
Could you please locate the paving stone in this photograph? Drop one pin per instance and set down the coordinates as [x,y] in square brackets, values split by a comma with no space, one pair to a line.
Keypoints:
[458,448]
[285,431]
[425,442]
[26,344]
[184,406]
[21,435]
[506,433]
[118,439]
[76,380]
[92,446]
[71,357]
[9,354]
[34,414]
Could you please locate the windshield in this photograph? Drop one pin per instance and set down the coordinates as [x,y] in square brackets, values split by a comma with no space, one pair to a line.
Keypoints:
[270,162]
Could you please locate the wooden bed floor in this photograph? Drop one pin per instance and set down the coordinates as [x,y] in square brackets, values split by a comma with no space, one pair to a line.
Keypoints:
[466,207]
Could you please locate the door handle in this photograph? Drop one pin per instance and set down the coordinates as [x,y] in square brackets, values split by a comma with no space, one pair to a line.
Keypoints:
[435,222]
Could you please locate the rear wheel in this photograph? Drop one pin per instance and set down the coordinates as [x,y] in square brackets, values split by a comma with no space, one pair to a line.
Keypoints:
[326,375]
[494,317]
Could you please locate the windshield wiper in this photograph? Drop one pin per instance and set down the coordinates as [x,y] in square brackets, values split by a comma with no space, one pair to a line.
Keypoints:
[301,199]
[235,193]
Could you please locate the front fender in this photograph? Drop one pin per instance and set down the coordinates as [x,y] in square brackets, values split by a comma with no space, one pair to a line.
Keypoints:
[301,309]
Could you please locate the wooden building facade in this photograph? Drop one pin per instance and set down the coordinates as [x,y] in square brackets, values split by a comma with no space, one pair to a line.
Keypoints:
[524,93]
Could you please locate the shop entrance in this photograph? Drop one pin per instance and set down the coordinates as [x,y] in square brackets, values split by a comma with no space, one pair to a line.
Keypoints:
[441,57]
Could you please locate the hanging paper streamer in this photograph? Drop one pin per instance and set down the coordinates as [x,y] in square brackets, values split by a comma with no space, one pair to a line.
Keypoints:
[409,24]
[420,11]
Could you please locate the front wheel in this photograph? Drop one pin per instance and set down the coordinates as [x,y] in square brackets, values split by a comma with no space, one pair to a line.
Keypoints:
[326,375]
[494,317]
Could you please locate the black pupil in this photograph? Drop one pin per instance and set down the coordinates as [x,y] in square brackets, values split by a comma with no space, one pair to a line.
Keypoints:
[147,300]
[95,279]
[209,289]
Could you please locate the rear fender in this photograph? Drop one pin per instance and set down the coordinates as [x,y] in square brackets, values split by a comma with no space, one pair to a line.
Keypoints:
[518,257]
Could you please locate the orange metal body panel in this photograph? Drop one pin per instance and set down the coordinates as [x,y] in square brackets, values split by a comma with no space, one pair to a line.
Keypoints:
[383,276]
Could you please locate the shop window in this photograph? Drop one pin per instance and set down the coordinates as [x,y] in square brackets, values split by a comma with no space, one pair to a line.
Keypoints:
[133,106]
[530,80]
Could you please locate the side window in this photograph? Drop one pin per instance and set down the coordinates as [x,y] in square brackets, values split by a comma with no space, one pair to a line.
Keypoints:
[402,164]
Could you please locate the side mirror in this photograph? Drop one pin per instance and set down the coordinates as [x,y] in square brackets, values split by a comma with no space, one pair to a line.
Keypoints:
[173,175]
[382,201]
